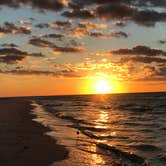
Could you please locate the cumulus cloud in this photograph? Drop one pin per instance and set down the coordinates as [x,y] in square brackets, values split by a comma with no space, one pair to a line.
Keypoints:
[54,36]
[92,25]
[137,11]
[139,50]
[162,41]
[117,34]
[10,28]
[13,55]
[9,45]
[56,49]
[42,4]
[24,22]
[61,73]
[10,59]
[120,23]
[126,12]
[83,13]
[152,3]
[99,34]
[36,41]
[142,59]
[76,32]
[162,71]
[148,17]
[55,24]
[114,11]
[67,35]
[153,74]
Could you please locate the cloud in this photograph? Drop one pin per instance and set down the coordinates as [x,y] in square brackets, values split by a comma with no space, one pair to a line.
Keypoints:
[149,70]
[24,22]
[54,36]
[10,59]
[92,25]
[42,4]
[12,51]
[56,49]
[10,28]
[137,11]
[148,17]
[162,71]
[126,12]
[80,4]
[83,13]
[42,25]
[162,41]
[61,73]
[117,34]
[142,59]
[76,32]
[153,3]
[120,23]
[55,24]
[139,50]
[114,11]
[36,41]
[86,30]
[13,55]
[83,28]
[151,73]
[99,34]
[9,45]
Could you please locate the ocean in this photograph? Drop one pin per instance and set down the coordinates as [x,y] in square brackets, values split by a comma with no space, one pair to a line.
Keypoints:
[107,130]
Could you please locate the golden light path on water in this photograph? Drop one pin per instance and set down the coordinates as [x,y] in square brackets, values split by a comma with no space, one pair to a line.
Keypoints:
[101,118]
[98,159]
[83,150]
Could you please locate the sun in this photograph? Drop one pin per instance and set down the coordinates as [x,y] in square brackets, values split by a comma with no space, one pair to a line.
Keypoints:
[102,87]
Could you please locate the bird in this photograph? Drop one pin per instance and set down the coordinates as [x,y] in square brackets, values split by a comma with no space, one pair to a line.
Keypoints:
[77,132]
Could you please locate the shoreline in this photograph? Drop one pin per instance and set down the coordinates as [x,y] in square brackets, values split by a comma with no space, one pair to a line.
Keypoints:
[22,140]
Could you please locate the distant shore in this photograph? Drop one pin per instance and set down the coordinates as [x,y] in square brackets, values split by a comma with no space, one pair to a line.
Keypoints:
[22,140]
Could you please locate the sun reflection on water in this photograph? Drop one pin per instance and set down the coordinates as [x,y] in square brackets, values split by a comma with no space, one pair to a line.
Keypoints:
[96,159]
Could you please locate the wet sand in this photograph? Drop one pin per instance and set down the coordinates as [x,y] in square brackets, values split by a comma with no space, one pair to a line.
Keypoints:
[22,141]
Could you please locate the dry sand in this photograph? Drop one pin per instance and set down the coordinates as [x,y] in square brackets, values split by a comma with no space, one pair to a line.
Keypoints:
[22,141]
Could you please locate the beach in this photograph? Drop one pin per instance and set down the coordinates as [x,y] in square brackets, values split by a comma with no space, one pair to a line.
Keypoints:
[85,130]
[23,142]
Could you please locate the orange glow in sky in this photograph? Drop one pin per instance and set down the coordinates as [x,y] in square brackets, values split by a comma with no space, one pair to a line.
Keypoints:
[63,51]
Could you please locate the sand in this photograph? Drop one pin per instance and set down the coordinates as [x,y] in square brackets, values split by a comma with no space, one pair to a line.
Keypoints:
[22,141]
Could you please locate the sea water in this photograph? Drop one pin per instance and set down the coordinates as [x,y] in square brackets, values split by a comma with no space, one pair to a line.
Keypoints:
[103,130]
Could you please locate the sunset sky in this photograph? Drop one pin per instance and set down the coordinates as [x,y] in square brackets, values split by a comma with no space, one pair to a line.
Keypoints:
[57,47]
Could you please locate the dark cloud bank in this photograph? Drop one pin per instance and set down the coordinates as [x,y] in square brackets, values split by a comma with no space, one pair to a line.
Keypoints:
[137,11]
[13,55]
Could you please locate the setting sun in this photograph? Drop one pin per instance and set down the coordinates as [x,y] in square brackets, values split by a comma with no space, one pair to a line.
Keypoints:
[102,87]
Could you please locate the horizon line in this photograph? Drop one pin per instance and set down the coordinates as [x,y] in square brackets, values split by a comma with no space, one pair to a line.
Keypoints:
[61,95]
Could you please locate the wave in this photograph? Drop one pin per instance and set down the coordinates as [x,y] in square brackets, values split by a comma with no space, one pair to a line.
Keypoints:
[162,128]
[162,159]
[121,154]
[100,137]
[135,108]
[146,147]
